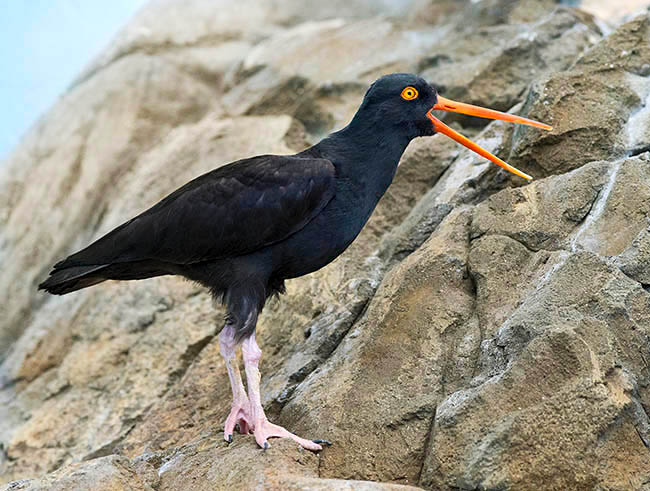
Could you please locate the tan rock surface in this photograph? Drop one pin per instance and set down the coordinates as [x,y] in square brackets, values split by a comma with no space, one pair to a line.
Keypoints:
[598,109]
[481,333]
[562,359]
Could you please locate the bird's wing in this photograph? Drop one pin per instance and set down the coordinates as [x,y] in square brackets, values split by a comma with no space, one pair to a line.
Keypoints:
[230,211]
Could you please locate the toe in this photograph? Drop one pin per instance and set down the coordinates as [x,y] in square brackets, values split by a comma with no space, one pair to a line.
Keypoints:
[307,444]
[227,432]
[265,430]
[229,425]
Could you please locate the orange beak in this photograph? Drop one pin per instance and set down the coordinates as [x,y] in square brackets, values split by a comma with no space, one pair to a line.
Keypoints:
[459,107]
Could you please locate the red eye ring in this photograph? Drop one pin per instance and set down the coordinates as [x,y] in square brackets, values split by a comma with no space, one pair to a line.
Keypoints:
[409,93]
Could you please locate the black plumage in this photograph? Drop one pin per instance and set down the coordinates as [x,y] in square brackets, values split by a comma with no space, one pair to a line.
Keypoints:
[244,228]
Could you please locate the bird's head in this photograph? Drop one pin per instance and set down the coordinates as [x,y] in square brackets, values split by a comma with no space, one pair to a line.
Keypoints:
[406,102]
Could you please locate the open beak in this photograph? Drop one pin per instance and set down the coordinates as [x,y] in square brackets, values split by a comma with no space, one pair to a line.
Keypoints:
[459,107]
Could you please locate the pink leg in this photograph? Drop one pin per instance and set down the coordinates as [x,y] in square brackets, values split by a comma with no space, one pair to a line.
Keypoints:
[263,429]
[240,412]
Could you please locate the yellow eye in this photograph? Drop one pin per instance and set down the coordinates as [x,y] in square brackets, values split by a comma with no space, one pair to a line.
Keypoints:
[409,93]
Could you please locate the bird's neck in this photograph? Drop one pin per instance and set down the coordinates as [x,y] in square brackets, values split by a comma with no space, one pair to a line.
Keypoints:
[366,154]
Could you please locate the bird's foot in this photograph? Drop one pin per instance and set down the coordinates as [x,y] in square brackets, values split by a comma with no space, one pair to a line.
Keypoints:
[239,416]
[265,430]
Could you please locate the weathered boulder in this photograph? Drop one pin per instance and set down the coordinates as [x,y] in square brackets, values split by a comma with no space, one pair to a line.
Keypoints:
[598,109]
[206,465]
[287,72]
[517,53]
[377,393]
[207,38]
[67,157]
[560,388]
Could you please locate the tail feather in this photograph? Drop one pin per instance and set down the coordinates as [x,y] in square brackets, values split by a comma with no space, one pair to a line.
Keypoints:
[66,280]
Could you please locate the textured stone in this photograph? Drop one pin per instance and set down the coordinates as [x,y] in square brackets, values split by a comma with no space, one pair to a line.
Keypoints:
[552,371]
[75,155]
[194,32]
[565,382]
[112,473]
[517,53]
[369,382]
[286,72]
[598,109]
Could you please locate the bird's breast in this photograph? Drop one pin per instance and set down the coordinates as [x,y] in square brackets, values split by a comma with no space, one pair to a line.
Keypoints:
[328,235]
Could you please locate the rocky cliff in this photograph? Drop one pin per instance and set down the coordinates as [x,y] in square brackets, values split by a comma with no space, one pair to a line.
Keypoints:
[482,332]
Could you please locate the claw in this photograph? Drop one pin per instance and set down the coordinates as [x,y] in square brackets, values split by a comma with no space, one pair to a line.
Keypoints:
[265,430]
[266,446]
[229,439]
[322,442]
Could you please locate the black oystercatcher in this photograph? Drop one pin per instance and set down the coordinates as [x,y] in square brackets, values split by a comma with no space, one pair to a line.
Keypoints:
[244,228]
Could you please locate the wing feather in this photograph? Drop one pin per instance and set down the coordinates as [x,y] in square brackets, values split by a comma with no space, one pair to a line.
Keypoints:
[230,211]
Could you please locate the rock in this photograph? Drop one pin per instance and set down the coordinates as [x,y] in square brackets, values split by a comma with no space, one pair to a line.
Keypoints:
[368,384]
[613,13]
[608,200]
[567,381]
[283,466]
[515,221]
[621,210]
[549,348]
[597,109]
[285,73]
[197,34]
[466,178]
[67,156]
[477,325]
[498,12]
[625,49]
[518,54]
[542,216]
[193,467]
[106,473]
[634,261]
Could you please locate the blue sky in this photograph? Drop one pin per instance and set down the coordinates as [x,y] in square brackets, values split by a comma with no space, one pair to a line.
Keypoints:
[44,44]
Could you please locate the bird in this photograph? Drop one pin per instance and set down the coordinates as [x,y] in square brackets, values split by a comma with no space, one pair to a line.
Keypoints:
[243,229]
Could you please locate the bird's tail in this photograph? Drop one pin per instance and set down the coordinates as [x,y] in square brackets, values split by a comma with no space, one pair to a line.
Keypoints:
[64,280]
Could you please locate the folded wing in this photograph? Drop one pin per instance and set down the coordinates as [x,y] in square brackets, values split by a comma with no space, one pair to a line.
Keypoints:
[233,210]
